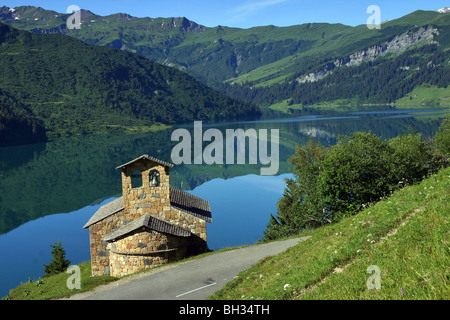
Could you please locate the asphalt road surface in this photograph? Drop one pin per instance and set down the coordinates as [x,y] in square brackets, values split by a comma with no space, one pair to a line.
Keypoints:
[192,280]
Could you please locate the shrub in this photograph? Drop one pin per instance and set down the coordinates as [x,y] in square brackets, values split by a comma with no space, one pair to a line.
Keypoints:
[59,263]
[442,137]
[357,170]
[301,205]
[411,158]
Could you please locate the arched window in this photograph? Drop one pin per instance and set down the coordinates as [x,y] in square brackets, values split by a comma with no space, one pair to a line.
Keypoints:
[154,178]
[136,179]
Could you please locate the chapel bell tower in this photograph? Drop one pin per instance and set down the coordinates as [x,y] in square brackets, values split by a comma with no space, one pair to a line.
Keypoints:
[145,186]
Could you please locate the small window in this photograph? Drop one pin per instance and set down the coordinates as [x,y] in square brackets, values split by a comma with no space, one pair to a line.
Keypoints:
[136,179]
[154,178]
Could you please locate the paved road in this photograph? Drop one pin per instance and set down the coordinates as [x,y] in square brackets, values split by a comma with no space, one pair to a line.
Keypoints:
[192,280]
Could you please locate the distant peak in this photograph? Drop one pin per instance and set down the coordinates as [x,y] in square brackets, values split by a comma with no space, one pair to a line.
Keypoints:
[444,10]
[88,14]
[122,15]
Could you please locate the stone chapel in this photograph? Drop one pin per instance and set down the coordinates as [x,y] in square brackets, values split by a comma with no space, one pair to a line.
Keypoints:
[151,224]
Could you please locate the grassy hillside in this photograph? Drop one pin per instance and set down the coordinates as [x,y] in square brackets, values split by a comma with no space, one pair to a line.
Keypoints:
[406,235]
[55,286]
[425,96]
[421,97]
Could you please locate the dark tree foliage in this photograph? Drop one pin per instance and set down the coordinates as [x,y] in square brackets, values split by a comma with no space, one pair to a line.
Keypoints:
[59,263]
[17,126]
[442,138]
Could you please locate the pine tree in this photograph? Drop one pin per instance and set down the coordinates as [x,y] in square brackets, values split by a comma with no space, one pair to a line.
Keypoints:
[59,263]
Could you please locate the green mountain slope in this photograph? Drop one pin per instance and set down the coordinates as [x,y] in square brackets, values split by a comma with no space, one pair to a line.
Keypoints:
[210,54]
[288,63]
[218,54]
[68,86]
[339,44]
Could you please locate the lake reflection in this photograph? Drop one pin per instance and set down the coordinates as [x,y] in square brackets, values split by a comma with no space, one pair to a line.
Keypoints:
[76,175]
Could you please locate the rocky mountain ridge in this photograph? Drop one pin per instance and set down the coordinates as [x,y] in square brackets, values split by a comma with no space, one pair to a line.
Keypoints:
[397,45]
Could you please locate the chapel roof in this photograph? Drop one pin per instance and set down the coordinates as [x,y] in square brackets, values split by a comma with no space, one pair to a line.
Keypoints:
[179,199]
[146,157]
[189,203]
[105,211]
[150,222]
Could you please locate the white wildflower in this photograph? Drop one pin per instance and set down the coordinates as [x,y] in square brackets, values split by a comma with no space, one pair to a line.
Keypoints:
[287,285]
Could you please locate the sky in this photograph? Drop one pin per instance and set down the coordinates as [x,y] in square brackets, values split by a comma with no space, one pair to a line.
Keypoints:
[246,13]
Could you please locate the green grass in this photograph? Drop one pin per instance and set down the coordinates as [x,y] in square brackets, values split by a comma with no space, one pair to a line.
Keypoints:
[406,235]
[284,106]
[420,98]
[341,105]
[55,287]
[425,96]
[137,129]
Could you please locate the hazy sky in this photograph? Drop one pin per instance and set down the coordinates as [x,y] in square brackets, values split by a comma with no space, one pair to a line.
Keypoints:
[247,13]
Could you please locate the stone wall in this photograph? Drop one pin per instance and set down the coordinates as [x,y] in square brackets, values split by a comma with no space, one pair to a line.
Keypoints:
[99,252]
[142,250]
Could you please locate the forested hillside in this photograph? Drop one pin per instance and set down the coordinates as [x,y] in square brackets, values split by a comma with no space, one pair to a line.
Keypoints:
[17,126]
[69,87]
[382,81]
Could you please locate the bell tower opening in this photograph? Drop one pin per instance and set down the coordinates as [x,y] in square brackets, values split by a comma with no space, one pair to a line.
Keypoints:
[154,178]
[145,186]
[136,179]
